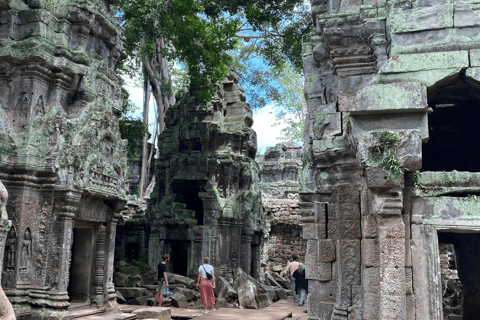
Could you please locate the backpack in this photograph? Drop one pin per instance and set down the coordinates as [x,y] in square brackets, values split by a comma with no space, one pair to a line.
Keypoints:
[209,275]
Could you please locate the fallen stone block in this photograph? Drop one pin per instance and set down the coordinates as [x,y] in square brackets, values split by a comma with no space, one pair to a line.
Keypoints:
[153,313]
[221,303]
[141,301]
[246,290]
[263,300]
[133,292]
[189,294]
[223,289]
[121,280]
[281,294]
[179,300]
[120,297]
[178,279]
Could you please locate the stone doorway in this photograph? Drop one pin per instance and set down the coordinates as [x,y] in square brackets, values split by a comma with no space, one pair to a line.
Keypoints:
[179,257]
[82,265]
[453,126]
[466,252]
[188,192]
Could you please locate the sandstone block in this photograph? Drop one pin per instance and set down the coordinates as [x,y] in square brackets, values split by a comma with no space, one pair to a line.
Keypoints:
[132,292]
[348,229]
[263,300]
[326,250]
[152,313]
[281,293]
[348,211]
[392,253]
[370,252]
[371,306]
[349,251]
[310,231]
[371,280]
[179,300]
[369,227]
[350,274]
[223,289]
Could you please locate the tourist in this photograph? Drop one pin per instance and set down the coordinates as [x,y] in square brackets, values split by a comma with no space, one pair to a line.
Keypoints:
[292,266]
[162,280]
[206,282]
[301,283]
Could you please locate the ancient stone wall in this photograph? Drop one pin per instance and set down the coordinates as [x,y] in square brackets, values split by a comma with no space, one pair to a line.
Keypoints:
[390,89]
[279,169]
[62,159]
[207,199]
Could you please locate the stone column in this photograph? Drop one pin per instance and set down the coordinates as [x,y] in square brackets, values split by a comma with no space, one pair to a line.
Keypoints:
[99,274]
[198,246]
[110,254]
[385,281]
[64,236]
[246,255]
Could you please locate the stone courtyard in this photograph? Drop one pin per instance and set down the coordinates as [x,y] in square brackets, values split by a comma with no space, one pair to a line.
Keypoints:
[381,201]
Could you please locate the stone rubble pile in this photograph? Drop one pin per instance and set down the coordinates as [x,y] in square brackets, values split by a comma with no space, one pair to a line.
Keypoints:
[136,284]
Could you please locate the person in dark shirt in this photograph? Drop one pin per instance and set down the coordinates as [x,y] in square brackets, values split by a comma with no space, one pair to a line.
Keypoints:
[301,283]
[162,280]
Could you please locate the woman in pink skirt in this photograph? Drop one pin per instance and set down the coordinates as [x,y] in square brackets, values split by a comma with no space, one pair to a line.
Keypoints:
[206,285]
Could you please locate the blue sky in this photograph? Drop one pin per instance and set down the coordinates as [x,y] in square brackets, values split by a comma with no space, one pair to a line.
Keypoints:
[263,119]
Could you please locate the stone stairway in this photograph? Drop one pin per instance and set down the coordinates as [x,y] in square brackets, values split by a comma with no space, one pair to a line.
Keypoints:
[82,311]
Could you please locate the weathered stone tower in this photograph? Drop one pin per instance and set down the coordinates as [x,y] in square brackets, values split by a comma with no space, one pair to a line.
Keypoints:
[391,87]
[61,156]
[207,199]
[279,171]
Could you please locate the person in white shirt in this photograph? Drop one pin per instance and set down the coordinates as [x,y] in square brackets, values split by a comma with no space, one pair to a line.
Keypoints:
[289,270]
[206,282]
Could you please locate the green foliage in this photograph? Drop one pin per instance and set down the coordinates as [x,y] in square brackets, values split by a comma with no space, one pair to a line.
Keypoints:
[348,124]
[387,146]
[416,179]
[133,130]
[202,34]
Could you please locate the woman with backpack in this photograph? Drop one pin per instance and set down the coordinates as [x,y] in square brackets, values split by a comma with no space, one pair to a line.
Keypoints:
[206,282]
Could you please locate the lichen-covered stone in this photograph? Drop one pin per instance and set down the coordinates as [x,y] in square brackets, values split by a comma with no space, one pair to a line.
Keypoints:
[61,154]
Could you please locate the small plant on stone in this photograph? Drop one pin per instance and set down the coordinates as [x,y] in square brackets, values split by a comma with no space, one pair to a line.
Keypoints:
[387,146]
[416,179]
[348,124]
[447,178]
[28,33]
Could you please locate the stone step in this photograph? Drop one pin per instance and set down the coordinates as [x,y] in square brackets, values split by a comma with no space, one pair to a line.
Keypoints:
[84,312]
[115,316]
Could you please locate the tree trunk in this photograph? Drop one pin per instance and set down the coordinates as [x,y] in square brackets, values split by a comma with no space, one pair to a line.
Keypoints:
[144,170]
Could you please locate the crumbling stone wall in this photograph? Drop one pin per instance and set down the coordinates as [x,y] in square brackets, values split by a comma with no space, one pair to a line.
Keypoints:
[62,159]
[279,169]
[390,88]
[207,199]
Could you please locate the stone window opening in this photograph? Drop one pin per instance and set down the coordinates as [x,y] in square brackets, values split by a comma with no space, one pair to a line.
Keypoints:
[187,192]
[453,126]
[460,273]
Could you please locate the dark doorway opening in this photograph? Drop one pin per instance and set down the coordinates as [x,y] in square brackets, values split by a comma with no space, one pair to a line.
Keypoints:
[187,192]
[466,250]
[81,267]
[132,251]
[453,126]
[179,257]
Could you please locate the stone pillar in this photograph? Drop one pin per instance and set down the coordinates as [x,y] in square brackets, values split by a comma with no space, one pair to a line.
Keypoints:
[198,246]
[385,280]
[110,253]
[64,236]
[246,255]
[99,274]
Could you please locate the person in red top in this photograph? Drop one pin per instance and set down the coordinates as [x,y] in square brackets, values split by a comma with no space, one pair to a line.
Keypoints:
[162,280]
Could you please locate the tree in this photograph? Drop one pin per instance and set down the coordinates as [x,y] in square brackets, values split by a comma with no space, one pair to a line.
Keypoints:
[201,34]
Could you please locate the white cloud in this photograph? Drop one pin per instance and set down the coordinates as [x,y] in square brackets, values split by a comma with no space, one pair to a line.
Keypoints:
[267,133]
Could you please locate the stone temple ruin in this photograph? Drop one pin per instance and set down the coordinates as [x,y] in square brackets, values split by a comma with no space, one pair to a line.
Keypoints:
[207,199]
[391,170]
[62,158]
[279,184]
[387,196]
